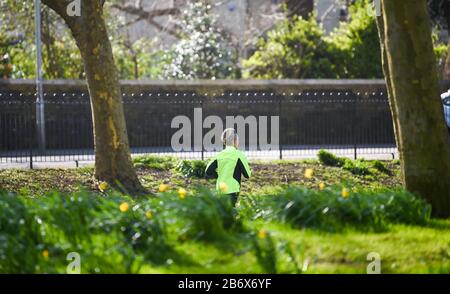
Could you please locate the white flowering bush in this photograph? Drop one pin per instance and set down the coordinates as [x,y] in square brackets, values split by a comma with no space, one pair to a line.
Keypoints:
[204,51]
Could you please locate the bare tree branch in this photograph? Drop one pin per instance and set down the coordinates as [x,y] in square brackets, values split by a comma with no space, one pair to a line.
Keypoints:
[133,21]
[171,31]
[149,16]
[139,11]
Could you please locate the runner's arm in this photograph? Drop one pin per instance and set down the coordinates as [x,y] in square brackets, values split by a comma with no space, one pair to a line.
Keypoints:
[245,167]
[211,169]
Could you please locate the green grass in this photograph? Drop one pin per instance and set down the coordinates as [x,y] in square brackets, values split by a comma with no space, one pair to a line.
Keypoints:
[152,171]
[403,249]
[271,230]
[197,234]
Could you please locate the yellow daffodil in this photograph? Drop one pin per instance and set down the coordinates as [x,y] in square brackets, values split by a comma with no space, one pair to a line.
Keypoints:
[149,214]
[262,234]
[182,193]
[223,187]
[163,188]
[103,186]
[124,207]
[322,186]
[309,172]
[45,254]
[345,193]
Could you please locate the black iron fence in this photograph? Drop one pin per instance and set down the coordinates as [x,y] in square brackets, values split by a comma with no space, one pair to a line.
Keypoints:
[347,117]
[351,119]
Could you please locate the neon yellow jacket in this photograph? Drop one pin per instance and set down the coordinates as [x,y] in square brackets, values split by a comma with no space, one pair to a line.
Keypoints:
[227,167]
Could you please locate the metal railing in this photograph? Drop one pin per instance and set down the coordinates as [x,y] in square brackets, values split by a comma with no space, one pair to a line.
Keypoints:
[347,121]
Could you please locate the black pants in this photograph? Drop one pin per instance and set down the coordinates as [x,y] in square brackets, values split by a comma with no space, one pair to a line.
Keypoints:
[234,198]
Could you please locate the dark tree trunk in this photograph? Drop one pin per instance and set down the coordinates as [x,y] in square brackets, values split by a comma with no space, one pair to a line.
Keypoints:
[113,162]
[422,136]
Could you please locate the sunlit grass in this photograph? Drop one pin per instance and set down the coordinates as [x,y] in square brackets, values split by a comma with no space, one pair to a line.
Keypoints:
[196,234]
[189,229]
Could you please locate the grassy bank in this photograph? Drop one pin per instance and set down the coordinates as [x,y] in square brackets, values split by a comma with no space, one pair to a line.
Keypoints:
[403,249]
[293,217]
[198,232]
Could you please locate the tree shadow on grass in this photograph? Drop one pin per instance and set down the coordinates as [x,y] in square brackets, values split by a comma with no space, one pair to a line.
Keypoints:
[169,255]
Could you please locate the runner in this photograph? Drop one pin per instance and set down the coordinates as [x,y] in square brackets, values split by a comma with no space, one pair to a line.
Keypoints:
[228,166]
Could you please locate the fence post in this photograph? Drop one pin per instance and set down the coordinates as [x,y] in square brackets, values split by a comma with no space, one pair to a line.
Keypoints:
[30,134]
[203,147]
[354,128]
[40,112]
[280,126]
[31,158]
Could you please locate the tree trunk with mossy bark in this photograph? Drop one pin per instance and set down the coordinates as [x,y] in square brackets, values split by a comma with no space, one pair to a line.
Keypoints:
[113,163]
[411,75]
[394,115]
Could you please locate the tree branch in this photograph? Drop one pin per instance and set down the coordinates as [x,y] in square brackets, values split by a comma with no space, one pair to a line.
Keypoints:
[60,7]
[168,30]
[130,9]
[149,16]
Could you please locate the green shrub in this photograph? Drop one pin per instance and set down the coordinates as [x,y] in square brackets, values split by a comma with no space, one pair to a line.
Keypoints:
[329,159]
[330,211]
[299,48]
[155,162]
[293,49]
[355,44]
[357,167]
[192,168]
[204,50]
[380,166]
